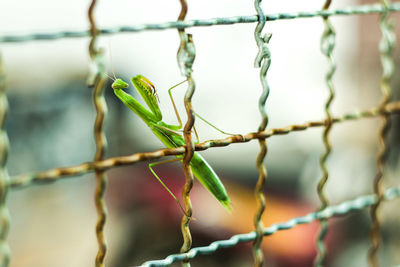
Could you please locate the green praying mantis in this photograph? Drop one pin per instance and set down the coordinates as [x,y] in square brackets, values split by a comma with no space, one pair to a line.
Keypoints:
[169,135]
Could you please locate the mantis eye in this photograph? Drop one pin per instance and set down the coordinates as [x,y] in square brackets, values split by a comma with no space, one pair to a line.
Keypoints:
[119,84]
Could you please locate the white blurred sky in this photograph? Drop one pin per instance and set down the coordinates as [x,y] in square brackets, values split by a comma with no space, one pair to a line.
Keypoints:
[228,85]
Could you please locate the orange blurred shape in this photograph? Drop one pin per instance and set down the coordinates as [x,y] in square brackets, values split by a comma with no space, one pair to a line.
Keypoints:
[296,243]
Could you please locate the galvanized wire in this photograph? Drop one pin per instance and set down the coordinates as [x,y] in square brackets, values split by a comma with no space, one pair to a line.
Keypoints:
[4,178]
[386,49]
[263,61]
[185,56]
[100,139]
[356,10]
[327,46]
[55,174]
[334,210]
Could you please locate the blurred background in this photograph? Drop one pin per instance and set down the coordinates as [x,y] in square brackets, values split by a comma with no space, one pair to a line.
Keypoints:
[51,120]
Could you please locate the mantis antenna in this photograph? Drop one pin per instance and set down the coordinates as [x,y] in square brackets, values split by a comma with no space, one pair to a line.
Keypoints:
[110,77]
[111,62]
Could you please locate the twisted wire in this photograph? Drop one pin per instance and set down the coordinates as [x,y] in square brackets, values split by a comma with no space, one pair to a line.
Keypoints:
[356,10]
[24,180]
[100,139]
[4,178]
[330,211]
[386,49]
[185,56]
[263,60]
[327,46]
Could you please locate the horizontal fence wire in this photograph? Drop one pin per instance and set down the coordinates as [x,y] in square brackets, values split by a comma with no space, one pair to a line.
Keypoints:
[356,10]
[51,175]
[334,210]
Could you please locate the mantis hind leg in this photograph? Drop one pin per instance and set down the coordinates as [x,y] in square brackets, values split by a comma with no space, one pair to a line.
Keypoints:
[176,110]
[197,115]
[163,184]
[215,127]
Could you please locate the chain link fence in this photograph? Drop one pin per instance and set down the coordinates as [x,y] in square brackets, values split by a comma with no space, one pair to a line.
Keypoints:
[384,110]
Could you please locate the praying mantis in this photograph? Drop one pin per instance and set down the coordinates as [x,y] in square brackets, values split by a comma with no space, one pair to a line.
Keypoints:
[168,134]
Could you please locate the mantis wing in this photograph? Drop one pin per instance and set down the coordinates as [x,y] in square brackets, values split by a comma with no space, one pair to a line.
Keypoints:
[209,179]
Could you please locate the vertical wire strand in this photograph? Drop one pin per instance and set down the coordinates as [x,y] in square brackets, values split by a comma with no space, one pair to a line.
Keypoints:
[327,45]
[4,178]
[386,49]
[100,139]
[185,56]
[263,60]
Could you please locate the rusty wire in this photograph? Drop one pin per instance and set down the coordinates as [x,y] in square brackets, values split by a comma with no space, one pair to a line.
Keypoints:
[55,174]
[4,178]
[100,139]
[185,56]
[263,61]
[386,49]
[327,46]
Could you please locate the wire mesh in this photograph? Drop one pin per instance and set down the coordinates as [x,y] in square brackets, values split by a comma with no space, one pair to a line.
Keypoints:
[186,55]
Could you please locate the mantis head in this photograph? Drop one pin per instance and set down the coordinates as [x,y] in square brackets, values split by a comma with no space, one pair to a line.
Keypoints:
[146,90]
[119,84]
